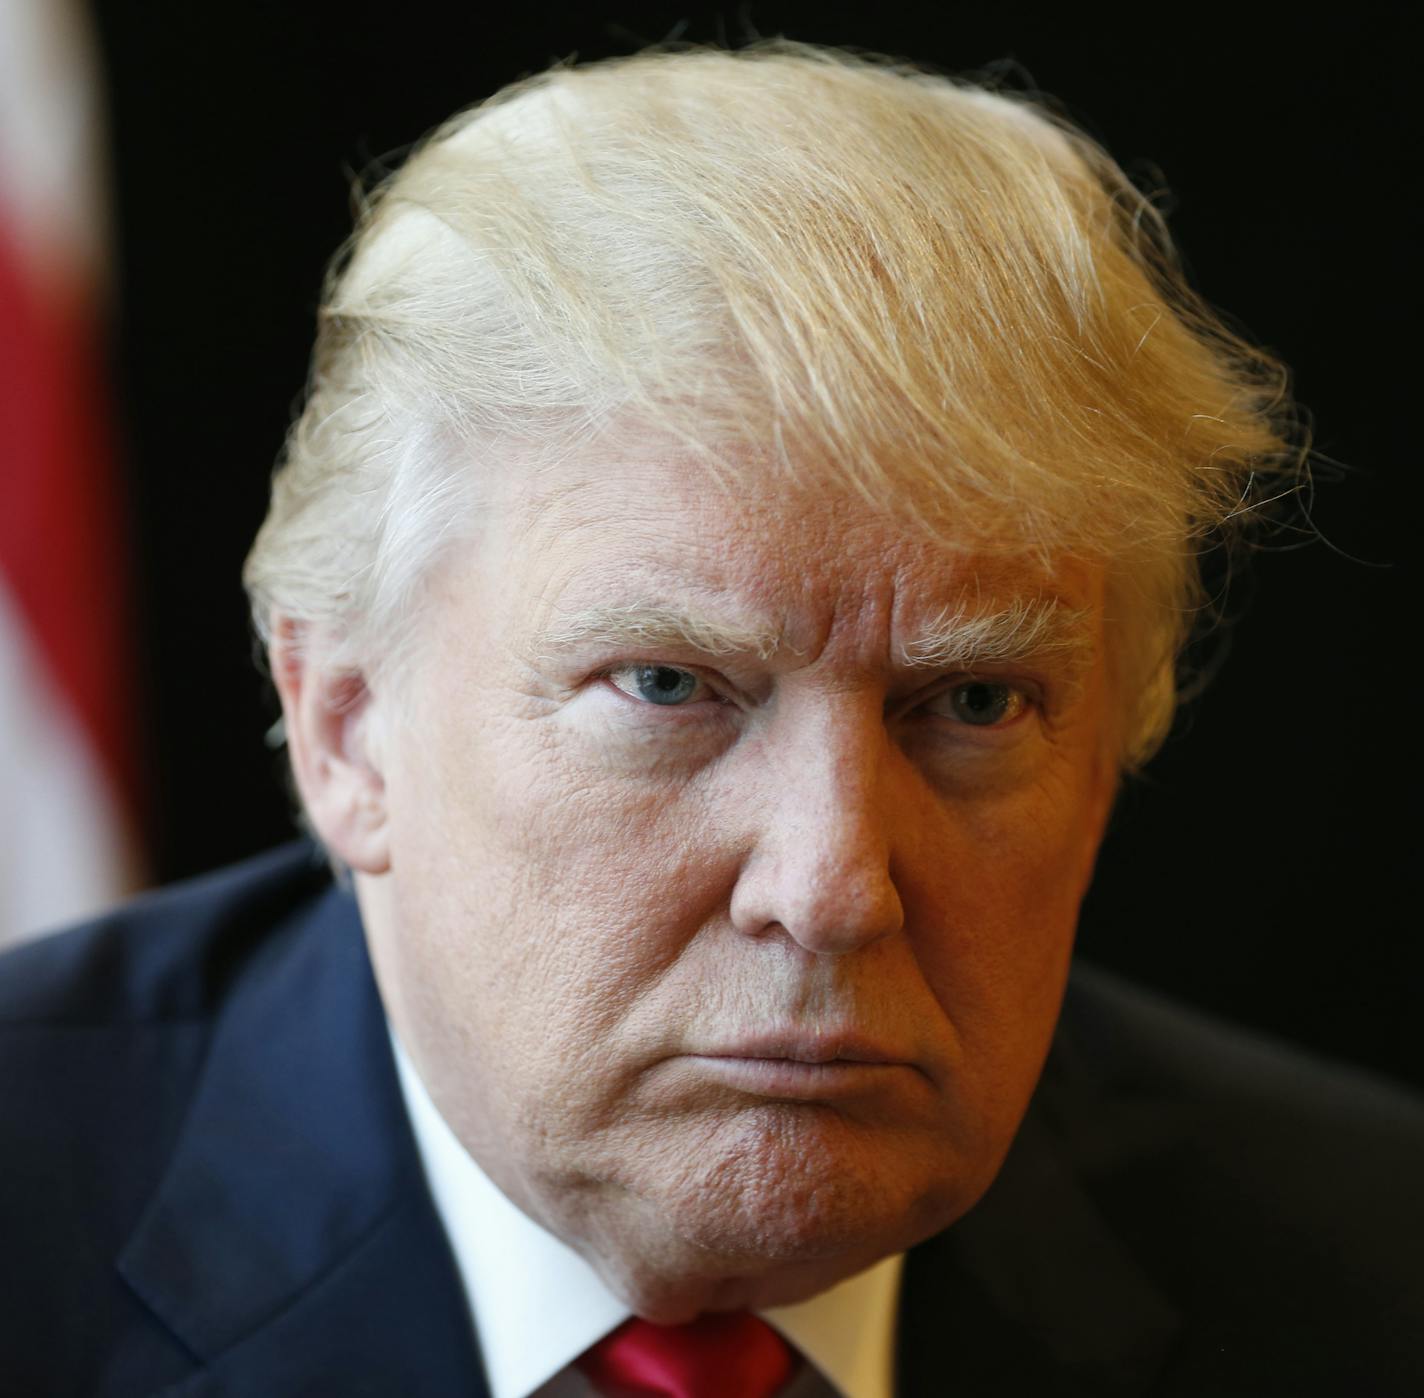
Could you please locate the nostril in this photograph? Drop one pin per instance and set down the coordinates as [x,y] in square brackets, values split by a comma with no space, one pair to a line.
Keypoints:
[830,906]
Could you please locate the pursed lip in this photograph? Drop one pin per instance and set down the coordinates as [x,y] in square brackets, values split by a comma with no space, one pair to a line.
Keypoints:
[809,1048]
[813,1068]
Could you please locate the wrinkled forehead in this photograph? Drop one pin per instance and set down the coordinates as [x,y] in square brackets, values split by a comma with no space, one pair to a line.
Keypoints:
[653,542]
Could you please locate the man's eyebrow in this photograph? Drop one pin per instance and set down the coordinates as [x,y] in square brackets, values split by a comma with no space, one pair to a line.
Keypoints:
[962,637]
[652,626]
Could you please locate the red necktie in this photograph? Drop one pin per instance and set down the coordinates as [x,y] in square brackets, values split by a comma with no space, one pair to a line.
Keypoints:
[732,1355]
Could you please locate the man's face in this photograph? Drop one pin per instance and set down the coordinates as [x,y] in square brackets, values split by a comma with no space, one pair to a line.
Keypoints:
[736,844]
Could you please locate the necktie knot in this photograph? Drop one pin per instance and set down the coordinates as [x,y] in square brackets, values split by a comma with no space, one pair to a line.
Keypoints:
[731,1355]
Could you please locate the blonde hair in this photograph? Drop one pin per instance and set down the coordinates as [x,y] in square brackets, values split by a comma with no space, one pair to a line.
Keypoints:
[901,282]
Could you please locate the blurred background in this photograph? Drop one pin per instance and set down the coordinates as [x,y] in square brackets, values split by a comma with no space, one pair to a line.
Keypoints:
[173,178]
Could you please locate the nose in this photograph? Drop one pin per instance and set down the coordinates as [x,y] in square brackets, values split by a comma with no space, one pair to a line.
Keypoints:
[823,863]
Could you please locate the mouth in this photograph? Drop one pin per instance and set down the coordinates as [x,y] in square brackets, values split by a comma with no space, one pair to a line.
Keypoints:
[796,1068]
[819,1048]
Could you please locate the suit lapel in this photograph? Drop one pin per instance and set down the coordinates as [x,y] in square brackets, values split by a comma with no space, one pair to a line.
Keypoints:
[292,1246]
[1031,1293]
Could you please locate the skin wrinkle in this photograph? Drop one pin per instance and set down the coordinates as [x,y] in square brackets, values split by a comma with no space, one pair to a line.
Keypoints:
[647,625]
[967,635]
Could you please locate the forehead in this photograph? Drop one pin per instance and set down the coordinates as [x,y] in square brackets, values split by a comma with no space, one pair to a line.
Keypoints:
[613,527]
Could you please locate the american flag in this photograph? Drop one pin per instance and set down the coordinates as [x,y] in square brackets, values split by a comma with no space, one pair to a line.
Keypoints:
[66,753]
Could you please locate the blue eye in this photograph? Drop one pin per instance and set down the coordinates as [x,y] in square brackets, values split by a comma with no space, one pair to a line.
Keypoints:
[657,684]
[982,703]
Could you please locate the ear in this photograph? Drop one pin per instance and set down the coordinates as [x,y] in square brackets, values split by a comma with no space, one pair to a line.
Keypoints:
[329,716]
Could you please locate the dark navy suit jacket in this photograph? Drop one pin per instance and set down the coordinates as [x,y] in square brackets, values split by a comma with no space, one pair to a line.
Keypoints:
[208,1187]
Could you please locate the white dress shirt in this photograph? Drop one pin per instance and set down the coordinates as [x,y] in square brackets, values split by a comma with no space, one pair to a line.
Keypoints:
[538,1305]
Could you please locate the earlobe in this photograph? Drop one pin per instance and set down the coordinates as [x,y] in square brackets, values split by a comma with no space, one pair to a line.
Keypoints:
[330,718]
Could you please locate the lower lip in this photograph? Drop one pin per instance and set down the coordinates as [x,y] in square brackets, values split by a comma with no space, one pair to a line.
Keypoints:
[791,1080]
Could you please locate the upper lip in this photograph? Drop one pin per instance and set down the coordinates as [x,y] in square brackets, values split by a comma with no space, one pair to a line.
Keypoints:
[810,1048]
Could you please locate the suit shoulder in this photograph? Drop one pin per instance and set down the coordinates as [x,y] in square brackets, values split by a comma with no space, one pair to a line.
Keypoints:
[1267,1191]
[105,1031]
[1123,1040]
[165,956]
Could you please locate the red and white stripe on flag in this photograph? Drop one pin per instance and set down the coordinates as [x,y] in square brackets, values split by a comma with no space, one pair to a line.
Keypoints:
[66,757]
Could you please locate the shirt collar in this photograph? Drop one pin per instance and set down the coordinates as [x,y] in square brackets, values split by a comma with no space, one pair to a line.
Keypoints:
[538,1305]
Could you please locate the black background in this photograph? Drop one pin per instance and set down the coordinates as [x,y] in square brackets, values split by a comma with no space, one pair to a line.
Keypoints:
[1262,868]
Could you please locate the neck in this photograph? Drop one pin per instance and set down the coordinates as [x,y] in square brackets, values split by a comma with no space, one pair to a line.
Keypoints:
[668,1279]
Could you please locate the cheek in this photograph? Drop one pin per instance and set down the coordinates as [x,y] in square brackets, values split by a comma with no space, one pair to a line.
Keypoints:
[995,921]
[550,899]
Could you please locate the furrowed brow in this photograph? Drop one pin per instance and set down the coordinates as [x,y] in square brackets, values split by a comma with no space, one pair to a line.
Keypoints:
[653,627]
[1039,628]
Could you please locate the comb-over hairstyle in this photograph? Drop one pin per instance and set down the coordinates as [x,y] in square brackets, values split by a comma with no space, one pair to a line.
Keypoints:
[945,298]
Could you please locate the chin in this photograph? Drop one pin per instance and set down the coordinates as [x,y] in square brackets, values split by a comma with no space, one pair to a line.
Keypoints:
[796,1184]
